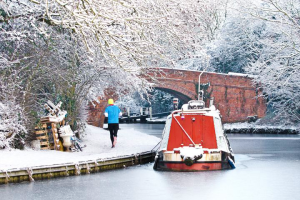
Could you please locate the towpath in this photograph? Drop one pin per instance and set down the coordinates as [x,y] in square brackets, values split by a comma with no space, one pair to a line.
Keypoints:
[98,144]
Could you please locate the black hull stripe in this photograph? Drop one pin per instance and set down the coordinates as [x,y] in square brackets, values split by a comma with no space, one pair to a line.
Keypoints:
[201,162]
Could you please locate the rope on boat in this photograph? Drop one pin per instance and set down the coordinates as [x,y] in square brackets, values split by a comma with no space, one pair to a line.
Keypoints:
[156,145]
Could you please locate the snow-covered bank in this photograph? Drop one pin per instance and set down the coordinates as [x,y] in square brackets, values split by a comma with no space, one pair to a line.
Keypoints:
[246,127]
[157,120]
[98,144]
[258,128]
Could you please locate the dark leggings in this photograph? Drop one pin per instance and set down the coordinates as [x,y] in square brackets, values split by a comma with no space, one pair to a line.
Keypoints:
[113,129]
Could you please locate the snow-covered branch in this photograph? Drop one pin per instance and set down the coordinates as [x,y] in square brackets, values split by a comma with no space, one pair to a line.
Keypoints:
[75,50]
[278,67]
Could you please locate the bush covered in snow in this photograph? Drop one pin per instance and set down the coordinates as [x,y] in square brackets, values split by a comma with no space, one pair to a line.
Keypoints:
[11,126]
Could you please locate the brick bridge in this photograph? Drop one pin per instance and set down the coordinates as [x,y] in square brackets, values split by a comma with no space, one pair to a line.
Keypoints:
[235,96]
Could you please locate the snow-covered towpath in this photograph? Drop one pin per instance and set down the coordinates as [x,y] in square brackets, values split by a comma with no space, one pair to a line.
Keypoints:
[98,144]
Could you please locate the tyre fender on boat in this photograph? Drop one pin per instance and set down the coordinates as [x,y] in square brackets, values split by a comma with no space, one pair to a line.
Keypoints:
[189,161]
[231,163]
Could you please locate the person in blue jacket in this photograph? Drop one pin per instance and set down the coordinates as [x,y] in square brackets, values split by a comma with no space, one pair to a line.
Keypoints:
[112,112]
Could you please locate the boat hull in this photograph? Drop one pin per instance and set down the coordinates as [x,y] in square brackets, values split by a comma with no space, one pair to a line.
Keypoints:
[162,165]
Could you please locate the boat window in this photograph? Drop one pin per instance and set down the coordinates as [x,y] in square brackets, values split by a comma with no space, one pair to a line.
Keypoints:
[218,127]
[222,144]
[166,133]
[196,104]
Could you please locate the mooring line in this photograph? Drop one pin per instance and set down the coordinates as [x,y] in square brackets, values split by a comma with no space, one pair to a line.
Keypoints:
[156,145]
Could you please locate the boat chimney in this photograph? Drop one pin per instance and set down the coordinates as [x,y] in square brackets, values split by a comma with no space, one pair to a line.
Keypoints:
[200,92]
[200,95]
[211,101]
[175,103]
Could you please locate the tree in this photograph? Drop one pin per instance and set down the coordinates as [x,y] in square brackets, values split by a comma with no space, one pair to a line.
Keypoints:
[278,67]
[238,45]
[76,50]
[136,34]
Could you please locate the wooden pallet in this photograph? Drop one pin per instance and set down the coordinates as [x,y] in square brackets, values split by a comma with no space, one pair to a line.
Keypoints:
[41,134]
[42,127]
[45,132]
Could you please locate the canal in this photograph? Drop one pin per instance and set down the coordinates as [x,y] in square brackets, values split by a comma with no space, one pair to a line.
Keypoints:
[267,167]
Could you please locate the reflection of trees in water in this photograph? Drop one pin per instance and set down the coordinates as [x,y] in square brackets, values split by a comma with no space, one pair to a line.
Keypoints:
[161,102]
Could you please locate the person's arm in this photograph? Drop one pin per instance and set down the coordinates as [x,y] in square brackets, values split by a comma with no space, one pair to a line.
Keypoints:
[106,113]
[120,113]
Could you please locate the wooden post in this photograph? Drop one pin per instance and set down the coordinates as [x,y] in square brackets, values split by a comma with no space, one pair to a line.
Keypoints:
[55,136]
[128,112]
[150,112]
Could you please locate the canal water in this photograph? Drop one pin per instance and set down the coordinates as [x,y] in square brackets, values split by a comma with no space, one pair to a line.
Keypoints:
[267,168]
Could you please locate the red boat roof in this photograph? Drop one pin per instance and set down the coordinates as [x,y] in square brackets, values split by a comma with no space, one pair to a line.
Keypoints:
[195,128]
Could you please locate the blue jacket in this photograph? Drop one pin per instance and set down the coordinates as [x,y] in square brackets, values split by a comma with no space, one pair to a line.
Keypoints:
[112,114]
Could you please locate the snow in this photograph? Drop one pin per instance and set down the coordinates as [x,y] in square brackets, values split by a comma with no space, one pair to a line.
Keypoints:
[243,75]
[240,125]
[190,152]
[98,144]
[245,125]
[157,119]
[207,72]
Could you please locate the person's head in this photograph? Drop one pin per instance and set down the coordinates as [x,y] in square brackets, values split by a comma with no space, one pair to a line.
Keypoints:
[110,101]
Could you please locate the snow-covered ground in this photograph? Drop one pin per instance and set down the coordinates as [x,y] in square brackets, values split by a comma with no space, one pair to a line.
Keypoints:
[98,146]
[240,125]
[246,125]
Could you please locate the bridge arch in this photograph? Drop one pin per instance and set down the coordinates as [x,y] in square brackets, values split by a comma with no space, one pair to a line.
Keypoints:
[181,93]
[235,95]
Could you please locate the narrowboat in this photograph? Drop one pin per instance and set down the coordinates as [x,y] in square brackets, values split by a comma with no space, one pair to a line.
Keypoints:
[194,140]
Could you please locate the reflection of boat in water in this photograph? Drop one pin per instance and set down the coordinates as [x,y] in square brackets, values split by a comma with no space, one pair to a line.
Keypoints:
[194,140]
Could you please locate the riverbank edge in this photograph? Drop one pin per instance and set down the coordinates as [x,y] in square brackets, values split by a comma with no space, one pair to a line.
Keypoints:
[262,131]
[251,130]
[72,169]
